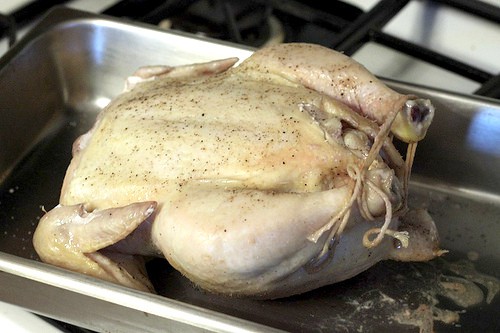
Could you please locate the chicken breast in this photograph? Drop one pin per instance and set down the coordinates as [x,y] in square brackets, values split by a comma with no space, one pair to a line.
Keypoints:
[264,180]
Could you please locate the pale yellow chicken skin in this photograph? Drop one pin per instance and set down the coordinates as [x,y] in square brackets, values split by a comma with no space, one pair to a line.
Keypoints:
[251,180]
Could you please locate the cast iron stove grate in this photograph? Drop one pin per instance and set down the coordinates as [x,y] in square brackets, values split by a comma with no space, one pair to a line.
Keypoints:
[334,24]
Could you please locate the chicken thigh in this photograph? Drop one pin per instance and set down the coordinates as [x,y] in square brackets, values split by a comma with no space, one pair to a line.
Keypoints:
[267,179]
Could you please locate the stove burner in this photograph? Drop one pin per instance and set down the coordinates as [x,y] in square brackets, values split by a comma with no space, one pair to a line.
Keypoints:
[242,22]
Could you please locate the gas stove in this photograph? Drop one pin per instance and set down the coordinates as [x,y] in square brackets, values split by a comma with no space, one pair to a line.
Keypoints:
[446,44]
[451,45]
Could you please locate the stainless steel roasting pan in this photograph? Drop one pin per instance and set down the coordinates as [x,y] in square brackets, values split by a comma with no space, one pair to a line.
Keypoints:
[55,80]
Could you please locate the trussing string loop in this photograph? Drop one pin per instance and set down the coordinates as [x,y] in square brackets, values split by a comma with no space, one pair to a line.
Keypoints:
[337,223]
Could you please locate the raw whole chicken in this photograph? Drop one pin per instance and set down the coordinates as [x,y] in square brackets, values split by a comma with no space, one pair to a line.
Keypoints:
[266,179]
